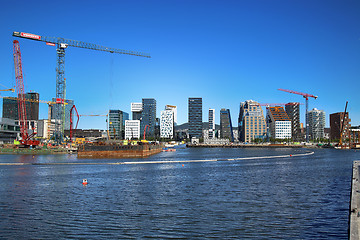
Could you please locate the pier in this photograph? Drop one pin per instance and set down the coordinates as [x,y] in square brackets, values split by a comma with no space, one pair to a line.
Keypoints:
[354,221]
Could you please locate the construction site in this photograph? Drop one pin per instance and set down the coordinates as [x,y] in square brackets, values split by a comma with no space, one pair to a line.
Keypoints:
[20,121]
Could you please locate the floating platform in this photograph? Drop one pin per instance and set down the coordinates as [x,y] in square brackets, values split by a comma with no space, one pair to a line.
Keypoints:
[118,151]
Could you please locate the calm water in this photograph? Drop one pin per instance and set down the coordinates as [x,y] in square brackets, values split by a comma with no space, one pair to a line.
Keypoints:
[304,197]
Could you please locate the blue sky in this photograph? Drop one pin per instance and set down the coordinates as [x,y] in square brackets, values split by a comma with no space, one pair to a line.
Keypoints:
[223,51]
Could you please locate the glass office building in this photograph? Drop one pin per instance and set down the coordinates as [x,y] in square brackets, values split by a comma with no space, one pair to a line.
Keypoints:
[10,107]
[195,117]
[148,116]
[226,130]
[117,120]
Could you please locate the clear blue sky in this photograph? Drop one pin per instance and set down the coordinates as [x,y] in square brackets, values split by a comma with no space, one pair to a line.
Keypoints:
[223,51]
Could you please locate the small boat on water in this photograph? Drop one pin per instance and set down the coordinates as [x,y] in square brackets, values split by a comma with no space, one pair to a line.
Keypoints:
[169,150]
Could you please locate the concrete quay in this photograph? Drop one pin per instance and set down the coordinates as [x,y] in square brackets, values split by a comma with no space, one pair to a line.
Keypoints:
[354,216]
[200,145]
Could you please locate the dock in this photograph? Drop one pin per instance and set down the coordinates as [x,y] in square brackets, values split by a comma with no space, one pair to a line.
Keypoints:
[354,216]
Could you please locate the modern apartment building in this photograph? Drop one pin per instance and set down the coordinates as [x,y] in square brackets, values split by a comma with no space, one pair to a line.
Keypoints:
[10,107]
[336,120]
[174,110]
[167,124]
[132,129]
[136,109]
[148,116]
[195,117]
[251,121]
[226,130]
[211,134]
[117,120]
[316,119]
[278,122]
[293,111]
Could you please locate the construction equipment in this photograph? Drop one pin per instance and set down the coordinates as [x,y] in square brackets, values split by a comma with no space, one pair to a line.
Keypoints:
[10,89]
[25,136]
[342,127]
[148,127]
[71,121]
[306,96]
[62,44]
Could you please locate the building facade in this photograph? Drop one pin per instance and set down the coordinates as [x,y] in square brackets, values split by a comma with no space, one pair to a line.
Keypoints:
[45,128]
[132,129]
[148,116]
[8,130]
[195,117]
[10,107]
[117,120]
[226,129]
[293,112]
[68,105]
[251,122]
[167,124]
[316,119]
[336,121]
[278,122]
[174,110]
[211,124]
[136,109]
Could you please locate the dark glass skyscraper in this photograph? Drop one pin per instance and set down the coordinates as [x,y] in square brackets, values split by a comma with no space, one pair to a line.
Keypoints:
[10,107]
[148,116]
[226,130]
[117,123]
[293,112]
[195,117]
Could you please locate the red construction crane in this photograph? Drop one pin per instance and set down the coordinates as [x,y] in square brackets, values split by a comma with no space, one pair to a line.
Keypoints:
[71,121]
[306,96]
[25,137]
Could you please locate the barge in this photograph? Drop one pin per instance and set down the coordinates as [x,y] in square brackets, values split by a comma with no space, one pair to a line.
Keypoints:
[118,151]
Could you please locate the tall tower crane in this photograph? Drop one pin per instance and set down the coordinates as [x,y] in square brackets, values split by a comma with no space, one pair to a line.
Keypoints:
[62,44]
[306,96]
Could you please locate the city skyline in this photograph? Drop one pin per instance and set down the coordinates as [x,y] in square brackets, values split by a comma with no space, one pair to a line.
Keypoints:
[219,49]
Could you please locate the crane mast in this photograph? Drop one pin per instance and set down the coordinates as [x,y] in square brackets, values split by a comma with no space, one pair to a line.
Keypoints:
[62,44]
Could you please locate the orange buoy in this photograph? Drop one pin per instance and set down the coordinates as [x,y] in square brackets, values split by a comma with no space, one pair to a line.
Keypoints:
[290,155]
[84,182]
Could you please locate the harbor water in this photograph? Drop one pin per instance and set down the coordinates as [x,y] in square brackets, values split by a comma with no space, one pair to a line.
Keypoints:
[238,193]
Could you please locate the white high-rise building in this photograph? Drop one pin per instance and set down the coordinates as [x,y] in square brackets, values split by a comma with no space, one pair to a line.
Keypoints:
[167,124]
[132,129]
[316,119]
[174,109]
[136,109]
[211,123]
